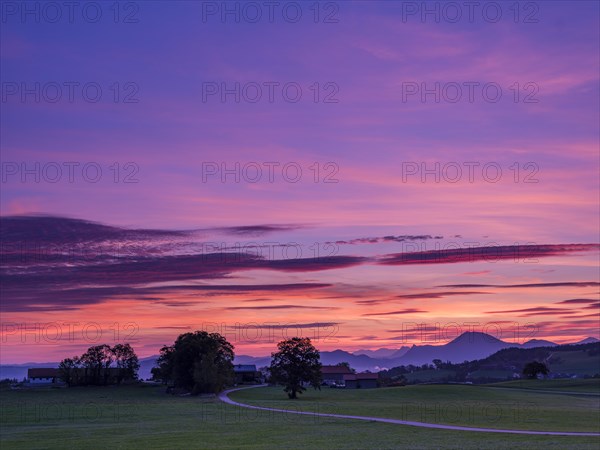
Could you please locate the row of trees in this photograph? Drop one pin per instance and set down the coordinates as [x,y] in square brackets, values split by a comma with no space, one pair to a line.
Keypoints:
[101,365]
[198,362]
[202,362]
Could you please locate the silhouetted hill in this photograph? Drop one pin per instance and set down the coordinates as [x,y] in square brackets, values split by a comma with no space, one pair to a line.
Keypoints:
[538,343]
[567,360]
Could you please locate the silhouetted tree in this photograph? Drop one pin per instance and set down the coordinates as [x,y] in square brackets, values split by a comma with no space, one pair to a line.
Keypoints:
[198,362]
[94,366]
[67,368]
[164,370]
[346,364]
[532,369]
[97,360]
[297,362]
[127,362]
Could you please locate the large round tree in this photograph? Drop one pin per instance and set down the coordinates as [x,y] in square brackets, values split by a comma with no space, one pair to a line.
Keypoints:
[296,363]
[199,362]
[532,369]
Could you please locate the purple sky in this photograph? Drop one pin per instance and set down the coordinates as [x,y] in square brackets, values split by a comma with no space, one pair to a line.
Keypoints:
[362,199]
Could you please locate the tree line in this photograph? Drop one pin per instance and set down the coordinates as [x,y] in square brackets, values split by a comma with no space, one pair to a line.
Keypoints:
[100,365]
[197,362]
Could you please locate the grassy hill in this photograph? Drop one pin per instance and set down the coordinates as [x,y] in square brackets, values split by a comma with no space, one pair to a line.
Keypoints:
[575,361]
[431,375]
[563,361]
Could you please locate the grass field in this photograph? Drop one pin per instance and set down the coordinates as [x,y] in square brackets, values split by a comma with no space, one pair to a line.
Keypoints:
[465,405]
[591,386]
[494,374]
[145,417]
[424,376]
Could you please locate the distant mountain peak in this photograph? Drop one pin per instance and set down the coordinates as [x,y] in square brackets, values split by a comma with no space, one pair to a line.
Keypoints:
[588,340]
[339,351]
[538,343]
[475,337]
[382,352]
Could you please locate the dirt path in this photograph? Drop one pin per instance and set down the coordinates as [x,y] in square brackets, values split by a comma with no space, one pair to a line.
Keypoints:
[224,397]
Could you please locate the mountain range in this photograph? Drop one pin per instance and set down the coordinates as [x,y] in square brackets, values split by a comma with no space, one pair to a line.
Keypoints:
[466,347]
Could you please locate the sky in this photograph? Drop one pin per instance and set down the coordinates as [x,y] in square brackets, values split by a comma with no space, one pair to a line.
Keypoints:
[367,174]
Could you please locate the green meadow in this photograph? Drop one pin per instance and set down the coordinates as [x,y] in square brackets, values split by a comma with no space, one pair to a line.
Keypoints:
[586,386]
[463,405]
[145,417]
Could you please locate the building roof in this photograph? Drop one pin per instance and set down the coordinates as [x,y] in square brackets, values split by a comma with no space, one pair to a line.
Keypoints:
[328,370]
[361,376]
[244,368]
[42,373]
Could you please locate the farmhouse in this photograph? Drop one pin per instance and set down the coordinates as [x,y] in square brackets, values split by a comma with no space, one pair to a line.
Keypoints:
[361,380]
[43,376]
[246,373]
[334,375]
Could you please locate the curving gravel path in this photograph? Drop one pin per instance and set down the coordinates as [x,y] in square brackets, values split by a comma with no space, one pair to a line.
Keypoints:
[224,397]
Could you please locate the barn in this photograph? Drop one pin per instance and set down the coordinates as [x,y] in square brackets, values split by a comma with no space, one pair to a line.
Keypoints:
[246,373]
[334,375]
[361,380]
[43,376]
